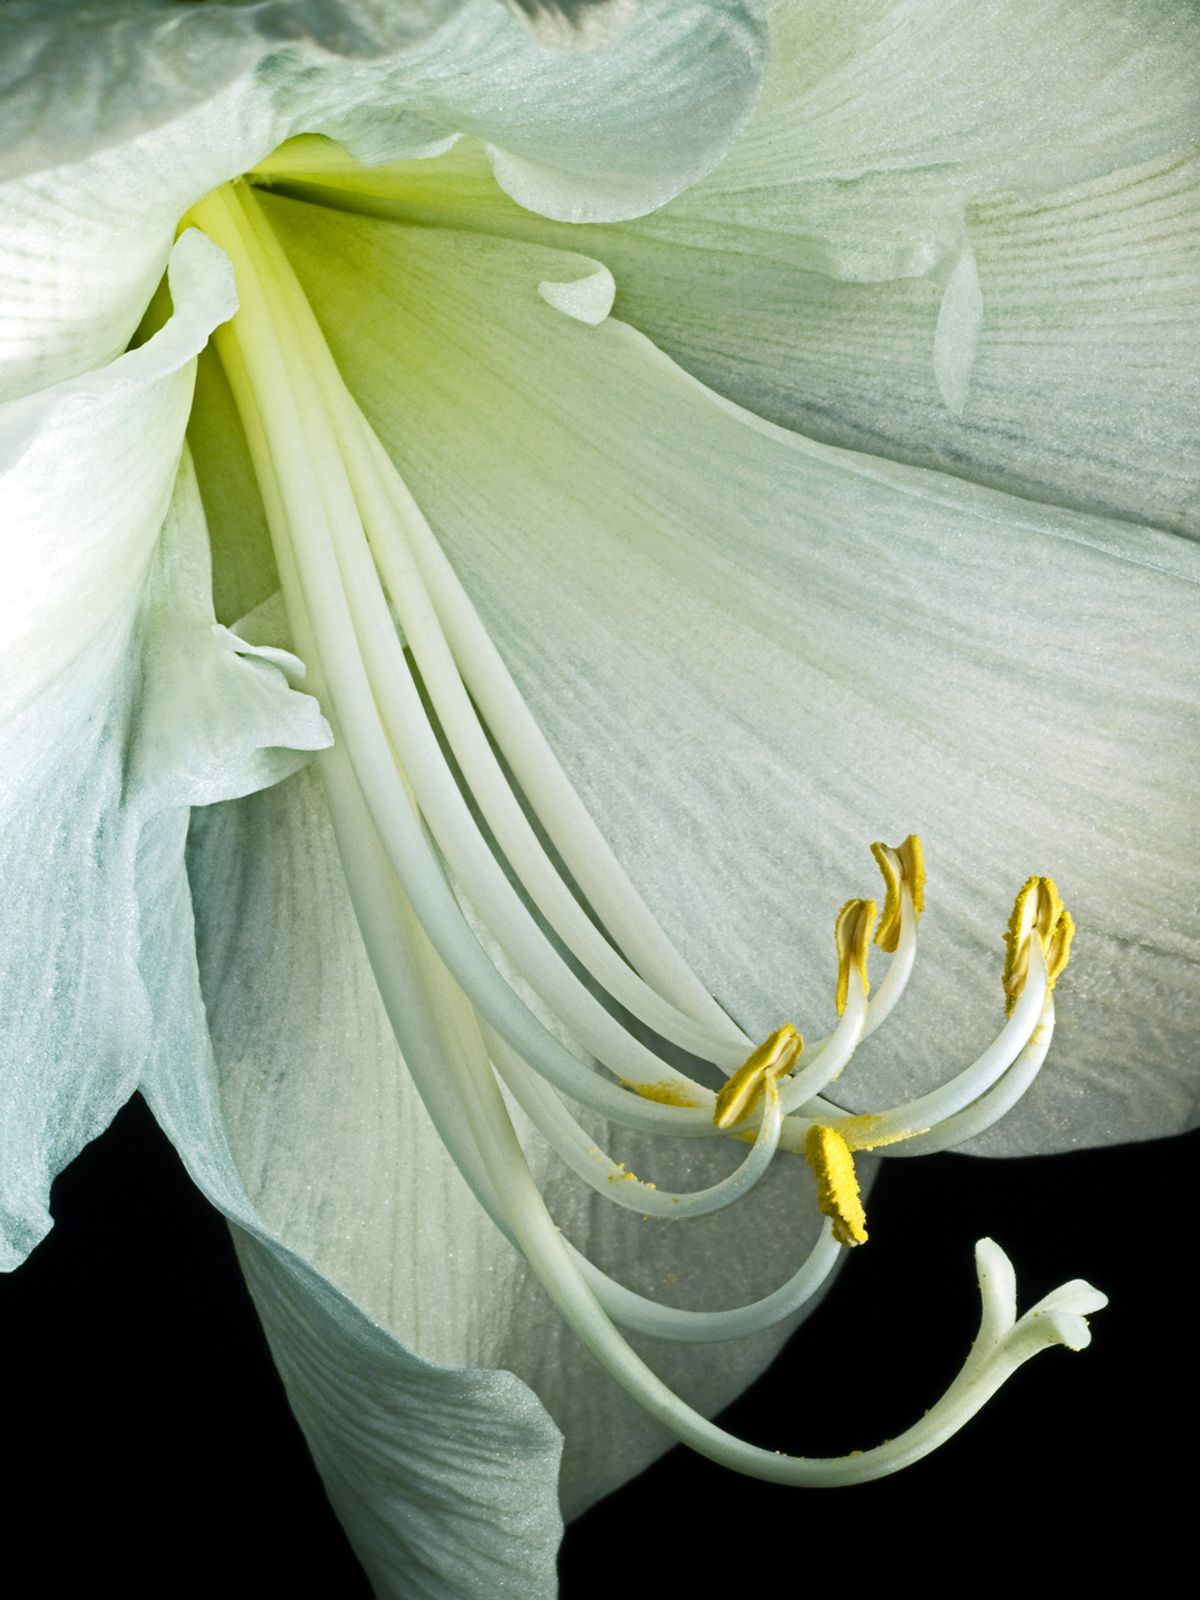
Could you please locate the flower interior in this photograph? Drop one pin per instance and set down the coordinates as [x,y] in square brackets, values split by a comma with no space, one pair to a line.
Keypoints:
[485,890]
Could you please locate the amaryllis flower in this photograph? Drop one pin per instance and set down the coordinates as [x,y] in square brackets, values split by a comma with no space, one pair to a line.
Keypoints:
[449,709]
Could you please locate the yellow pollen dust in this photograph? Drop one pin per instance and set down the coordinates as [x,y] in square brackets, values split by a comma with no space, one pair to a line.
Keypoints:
[667,1093]
[837,1184]
[863,1132]
[621,1174]
[900,864]
[852,935]
[1038,913]
[742,1092]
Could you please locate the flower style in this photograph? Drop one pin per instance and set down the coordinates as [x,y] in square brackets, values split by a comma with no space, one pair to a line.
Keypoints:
[746,648]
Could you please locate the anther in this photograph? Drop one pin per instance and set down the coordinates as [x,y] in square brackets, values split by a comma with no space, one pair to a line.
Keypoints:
[743,1090]
[838,1197]
[901,865]
[1038,913]
[852,934]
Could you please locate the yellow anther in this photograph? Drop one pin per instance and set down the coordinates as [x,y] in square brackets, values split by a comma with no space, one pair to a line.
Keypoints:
[900,864]
[852,934]
[1037,914]
[837,1184]
[742,1092]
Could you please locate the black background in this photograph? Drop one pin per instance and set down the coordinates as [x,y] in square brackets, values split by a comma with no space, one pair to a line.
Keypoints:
[148,1446]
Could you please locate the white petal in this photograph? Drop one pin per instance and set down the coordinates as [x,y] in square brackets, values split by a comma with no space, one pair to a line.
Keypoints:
[117,120]
[89,467]
[822,276]
[444,1480]
[123,704]
[756,654]
[568,135]
[889,134]
[1076,377]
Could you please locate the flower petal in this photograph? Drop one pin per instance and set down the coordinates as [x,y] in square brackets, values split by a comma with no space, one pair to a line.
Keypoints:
[121,117]
[89,467]
[122,706]
[756,654]
[894,147]
[444,1480]
[1054,353]
[567,134]
[957,235]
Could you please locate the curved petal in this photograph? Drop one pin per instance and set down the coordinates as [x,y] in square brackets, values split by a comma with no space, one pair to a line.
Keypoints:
[756,654]
[1054,353]
[444,1479]
[116,119]
[123,704]
[119,119]
[593,135]
[89,467]
[956,235]
[898,148]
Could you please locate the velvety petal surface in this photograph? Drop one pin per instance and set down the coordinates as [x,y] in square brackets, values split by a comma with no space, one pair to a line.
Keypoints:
[118,118]
[122,701]
[757,653]
[960,235]
[963,236]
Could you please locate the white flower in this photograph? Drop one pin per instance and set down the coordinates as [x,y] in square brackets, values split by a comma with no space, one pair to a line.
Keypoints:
[752,653]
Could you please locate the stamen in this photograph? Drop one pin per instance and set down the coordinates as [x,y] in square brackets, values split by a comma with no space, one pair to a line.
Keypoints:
[390,518]
[837,1184]
[408,730]
[852,934]
[981,1114]
[743,1092]
[999,1349]
[927,1111]
[574,1145]
[568,824]
[305,539]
